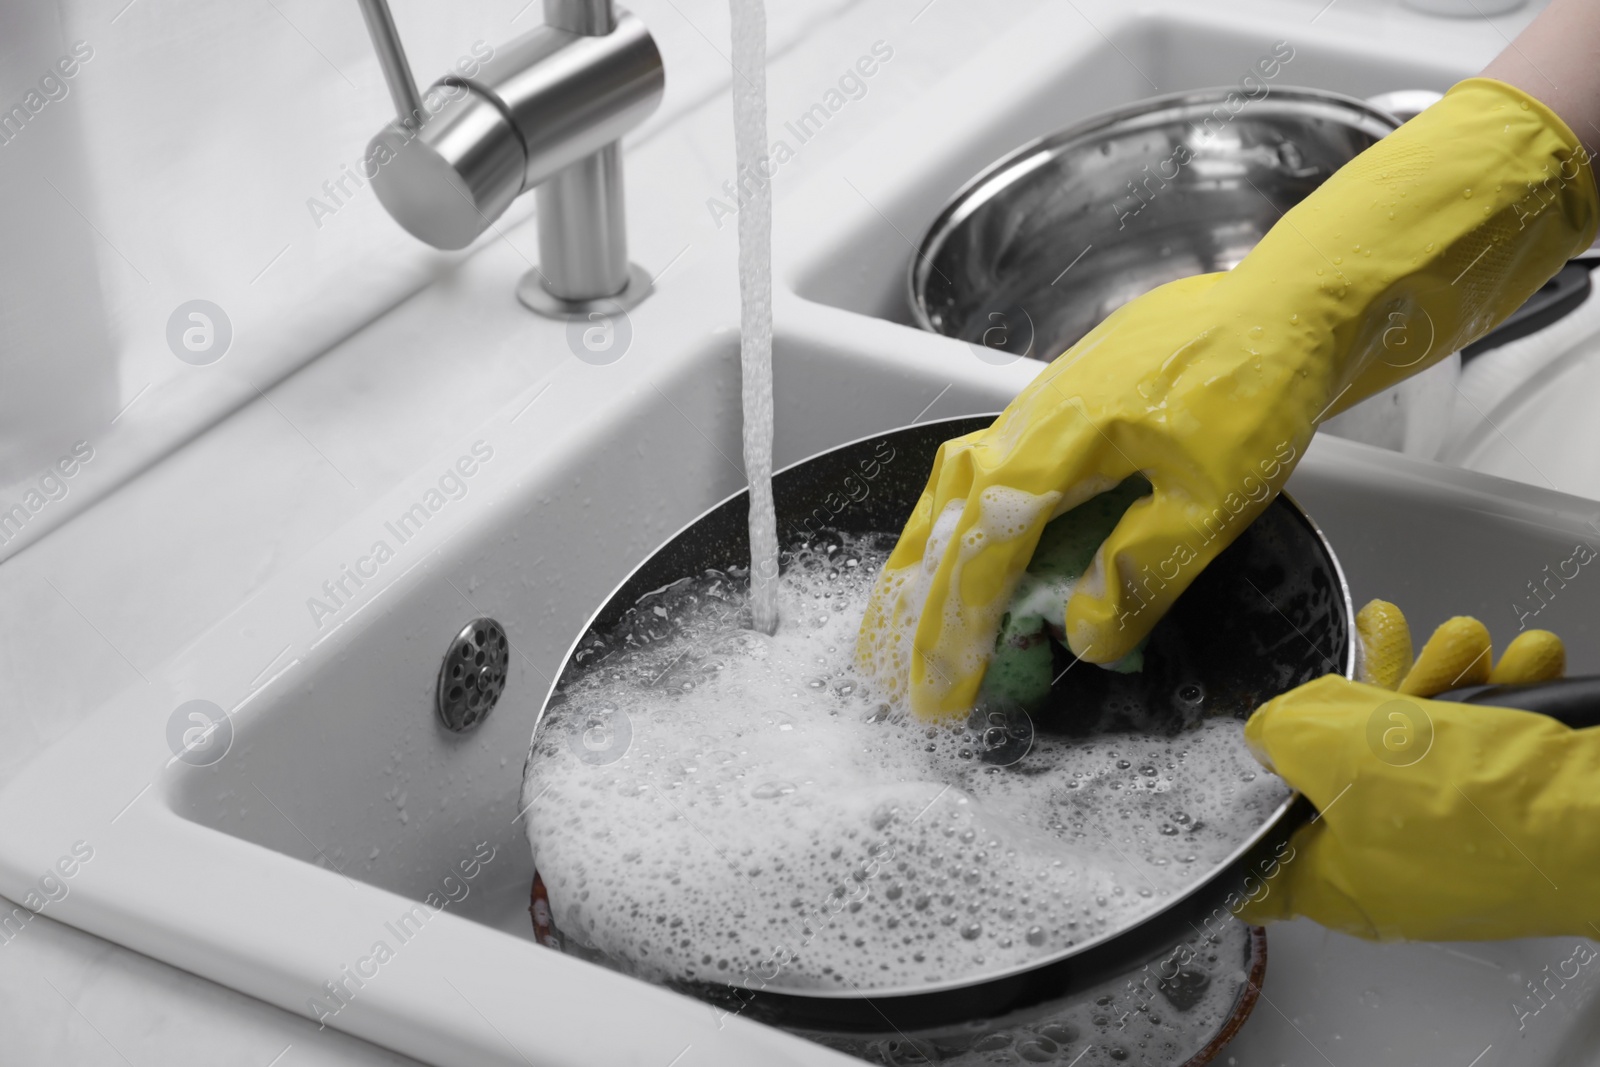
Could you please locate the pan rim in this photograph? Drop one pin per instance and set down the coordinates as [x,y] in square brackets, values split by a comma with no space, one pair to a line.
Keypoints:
[1270,826]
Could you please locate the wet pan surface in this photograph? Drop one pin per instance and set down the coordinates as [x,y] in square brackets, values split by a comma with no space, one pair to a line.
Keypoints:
[1269,613]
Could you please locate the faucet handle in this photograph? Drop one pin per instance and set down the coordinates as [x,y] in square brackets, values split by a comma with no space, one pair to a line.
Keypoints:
[392,60]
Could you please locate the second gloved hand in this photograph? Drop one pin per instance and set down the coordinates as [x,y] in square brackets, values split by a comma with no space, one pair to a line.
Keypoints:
[1437,820]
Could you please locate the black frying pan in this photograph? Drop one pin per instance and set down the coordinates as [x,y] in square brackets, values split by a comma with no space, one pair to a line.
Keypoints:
[1271,612]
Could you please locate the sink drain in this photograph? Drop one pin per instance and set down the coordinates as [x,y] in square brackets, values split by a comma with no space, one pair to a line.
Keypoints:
[473,674]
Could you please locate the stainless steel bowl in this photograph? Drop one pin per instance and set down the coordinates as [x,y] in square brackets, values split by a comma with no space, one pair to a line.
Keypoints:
[1043,244]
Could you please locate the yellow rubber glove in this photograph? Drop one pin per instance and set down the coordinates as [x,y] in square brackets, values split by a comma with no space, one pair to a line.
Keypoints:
[1210,387]
[1437,821]
[1458,654]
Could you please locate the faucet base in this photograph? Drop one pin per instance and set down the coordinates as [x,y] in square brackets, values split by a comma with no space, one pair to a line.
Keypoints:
[533,294]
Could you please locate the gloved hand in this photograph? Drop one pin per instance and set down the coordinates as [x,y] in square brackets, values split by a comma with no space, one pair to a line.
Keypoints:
[1437,821]
[1210,387]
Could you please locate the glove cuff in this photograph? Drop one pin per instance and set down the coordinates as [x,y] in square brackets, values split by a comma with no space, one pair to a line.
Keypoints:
[1425,241]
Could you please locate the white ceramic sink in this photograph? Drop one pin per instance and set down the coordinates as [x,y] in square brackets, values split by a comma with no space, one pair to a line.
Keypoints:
[340,805]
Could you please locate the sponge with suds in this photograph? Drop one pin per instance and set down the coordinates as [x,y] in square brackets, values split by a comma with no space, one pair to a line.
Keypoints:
[1021,667]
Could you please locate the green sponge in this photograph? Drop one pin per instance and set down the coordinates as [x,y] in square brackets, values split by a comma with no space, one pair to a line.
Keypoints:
[1020,669]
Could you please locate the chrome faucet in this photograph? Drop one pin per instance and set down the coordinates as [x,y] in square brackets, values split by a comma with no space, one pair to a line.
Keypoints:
[544,112]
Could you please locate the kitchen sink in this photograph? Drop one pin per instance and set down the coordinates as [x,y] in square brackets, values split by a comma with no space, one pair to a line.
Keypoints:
[328,812]
[1084,60]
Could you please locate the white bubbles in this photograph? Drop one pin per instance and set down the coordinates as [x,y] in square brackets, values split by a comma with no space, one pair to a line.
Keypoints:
[1163,1013]
[966,629]
[775,819]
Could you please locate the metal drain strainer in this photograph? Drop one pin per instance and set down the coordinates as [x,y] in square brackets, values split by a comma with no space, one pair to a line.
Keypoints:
[473,674]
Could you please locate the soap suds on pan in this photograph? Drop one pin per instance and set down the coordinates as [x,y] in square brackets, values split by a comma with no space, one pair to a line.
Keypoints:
[709,803]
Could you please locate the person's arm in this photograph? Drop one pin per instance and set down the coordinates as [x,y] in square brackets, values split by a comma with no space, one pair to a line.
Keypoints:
[1209,388]
[1556,60]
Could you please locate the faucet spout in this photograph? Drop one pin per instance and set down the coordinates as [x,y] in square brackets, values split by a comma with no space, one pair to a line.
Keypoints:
[592,18]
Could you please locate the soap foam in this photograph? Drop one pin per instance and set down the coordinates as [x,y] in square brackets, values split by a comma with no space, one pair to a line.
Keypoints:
[966,629]
[709,803]
[1161,1014]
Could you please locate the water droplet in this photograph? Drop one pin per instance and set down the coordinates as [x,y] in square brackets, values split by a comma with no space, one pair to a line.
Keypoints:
[1037,1050]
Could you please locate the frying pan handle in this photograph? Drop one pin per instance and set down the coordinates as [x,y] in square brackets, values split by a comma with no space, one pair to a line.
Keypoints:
[1573,701]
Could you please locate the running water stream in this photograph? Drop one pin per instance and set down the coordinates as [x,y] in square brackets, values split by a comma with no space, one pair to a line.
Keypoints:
[755,301]
[707,804]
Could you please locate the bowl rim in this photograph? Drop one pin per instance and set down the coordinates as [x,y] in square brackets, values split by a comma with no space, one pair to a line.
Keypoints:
[983,187]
